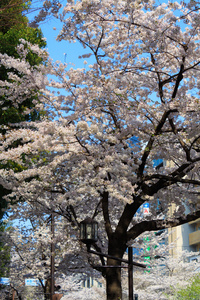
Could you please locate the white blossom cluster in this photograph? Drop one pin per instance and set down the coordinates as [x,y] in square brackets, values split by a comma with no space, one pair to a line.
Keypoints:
[94,150]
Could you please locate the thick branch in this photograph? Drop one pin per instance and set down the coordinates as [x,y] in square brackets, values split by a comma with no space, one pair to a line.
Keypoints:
[151,141]
[196,140]
[108,227]
[154,225]
[160,83]
[171,122]
[81,144]
[127,215]
[178,80]
[174,177]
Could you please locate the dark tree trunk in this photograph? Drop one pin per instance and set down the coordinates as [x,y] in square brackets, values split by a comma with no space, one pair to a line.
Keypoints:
[116,248]
[113,281]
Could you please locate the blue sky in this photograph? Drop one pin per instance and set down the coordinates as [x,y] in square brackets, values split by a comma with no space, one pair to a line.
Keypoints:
[63,51]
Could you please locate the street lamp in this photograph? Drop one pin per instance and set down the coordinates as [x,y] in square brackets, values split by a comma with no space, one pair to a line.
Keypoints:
[89,236]
[89,231]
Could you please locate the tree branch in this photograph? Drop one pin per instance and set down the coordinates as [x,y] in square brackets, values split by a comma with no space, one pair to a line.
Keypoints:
[174,177]
[127,215]
[154,225]
[108,227]
[151,141]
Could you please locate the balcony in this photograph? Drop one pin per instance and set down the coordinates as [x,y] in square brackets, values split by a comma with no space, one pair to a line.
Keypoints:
[194,238]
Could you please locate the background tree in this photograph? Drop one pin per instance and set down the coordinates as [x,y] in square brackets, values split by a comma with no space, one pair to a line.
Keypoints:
[109,122]
[13,27]
[11,14]
[4,253]
[165,273]
[31,258]
[192,290]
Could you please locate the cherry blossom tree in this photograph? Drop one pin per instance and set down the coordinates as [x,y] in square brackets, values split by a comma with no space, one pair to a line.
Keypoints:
[109,122]
[165,273]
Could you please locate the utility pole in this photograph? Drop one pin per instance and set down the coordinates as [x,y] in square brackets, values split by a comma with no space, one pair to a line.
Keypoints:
[130,272]
[52,257]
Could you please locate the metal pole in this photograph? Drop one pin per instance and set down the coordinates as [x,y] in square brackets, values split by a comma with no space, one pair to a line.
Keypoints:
[52,257]
[116,258]
[130,272]
[130,266]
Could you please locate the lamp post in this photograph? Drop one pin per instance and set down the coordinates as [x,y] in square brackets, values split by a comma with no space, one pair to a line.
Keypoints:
[52,282]
[89,236]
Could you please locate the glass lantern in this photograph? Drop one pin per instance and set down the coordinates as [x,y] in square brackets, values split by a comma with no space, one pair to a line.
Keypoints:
[88,231]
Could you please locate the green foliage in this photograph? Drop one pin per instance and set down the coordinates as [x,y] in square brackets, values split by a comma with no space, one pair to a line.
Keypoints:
[192,291]
[9,41]
[12,165]
[4,253]
[11,13]
[13,27]
[3,203]
[10,38]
